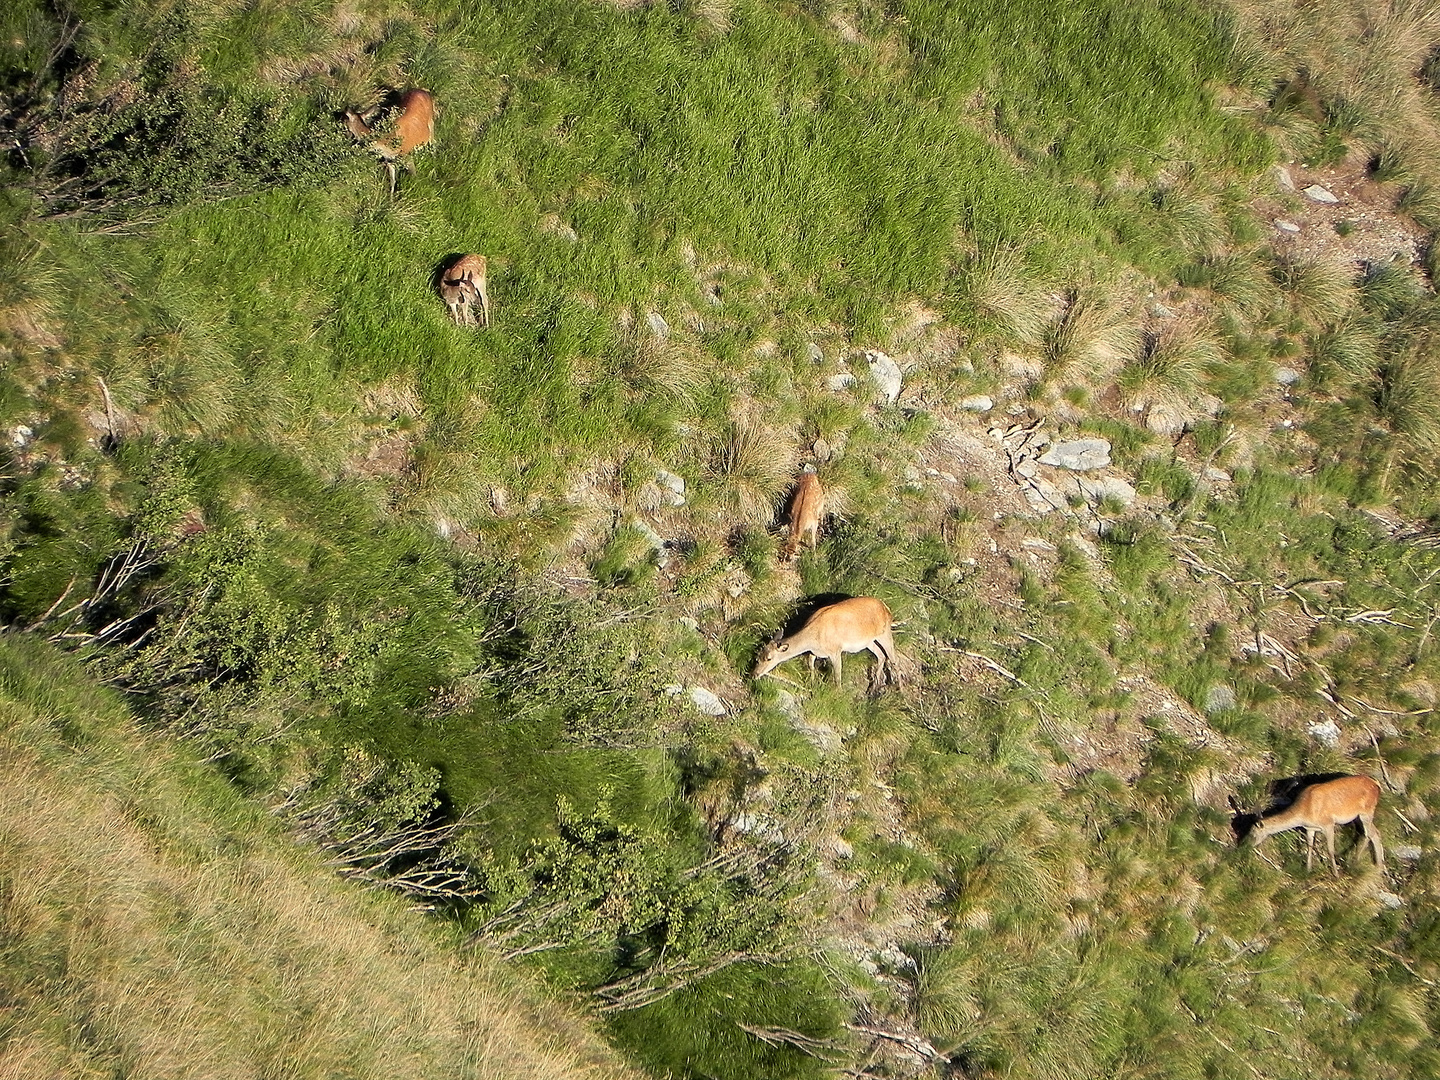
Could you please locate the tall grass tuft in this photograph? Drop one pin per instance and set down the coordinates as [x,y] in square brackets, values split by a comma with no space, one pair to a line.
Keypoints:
[1170,365]
[752,463]
[1088,339]
[1317,289]
[1000,292]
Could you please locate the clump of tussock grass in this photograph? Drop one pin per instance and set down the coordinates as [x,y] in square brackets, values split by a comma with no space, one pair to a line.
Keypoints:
[1001,293]
[751,462]
[1170,365]
[1407,401]
[1421,201]
[1317,289]
[1343,354]
[1190,217]
[1389,288]
[1088,339]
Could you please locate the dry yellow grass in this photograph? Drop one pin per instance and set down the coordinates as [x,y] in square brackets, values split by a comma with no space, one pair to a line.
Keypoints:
[149,934]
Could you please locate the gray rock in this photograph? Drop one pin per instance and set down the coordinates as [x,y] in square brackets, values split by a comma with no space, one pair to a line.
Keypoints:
[1390,900]
[1287,226]
[1407,852]
[1316,193]
[658,326]
[707,701]
[1078,455]
[1167,420]
[1097,489]
[1283,180]
[1218,476]
[1219,698]
[1027,468]
[886,375]
[814,352]
[821,449]
[672,485]
[842,381]
[977,403]
[1325,731]
[1287,376]
[1044,496]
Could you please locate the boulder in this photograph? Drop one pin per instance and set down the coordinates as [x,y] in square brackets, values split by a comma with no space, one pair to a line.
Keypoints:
[886,375]
[1078,455]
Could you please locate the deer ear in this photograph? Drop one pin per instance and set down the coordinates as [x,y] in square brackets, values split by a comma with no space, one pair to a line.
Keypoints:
[783,647]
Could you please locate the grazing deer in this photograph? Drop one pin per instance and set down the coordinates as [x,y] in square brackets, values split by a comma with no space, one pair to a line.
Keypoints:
[463,284]
[1319,808]
[414,127]
[806,510]
[853,625]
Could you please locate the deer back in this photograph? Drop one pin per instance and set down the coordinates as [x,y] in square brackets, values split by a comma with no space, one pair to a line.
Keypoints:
[806,509]
[1323,806]
[414,127]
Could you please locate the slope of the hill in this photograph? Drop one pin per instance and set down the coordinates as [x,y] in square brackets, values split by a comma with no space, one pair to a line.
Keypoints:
[474,611]
[156,925]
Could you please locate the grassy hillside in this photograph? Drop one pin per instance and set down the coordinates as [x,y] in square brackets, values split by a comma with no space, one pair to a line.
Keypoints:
[449,603]
[157,925]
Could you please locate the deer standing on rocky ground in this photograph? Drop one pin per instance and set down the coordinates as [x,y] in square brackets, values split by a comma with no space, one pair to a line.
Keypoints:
[461,286]
[806,509]
[1319,808]
[855,625]
[414,127]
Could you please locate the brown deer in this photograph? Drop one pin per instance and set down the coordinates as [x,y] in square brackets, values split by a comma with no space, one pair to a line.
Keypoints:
[461,285]
[806,509]
[414,127]
[1319,808]
[853,625]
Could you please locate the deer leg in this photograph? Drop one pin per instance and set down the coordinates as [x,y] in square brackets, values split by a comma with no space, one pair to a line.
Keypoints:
[1367,825]
[390,168]
[484,295]
[1330,843]
[835,666]
[1309,848]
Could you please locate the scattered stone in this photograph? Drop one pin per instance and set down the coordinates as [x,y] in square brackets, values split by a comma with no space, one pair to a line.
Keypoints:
[1390,900]
[977,403]
[1283,180]
[870,967]
[658,326]
[1044,496]
[674,485]
[821,449]
[1078,455]
[658,545]
[816,354]
[1407,852]
[1287,376]
[1160,311]
[756,825]
[912,473]
[1097,490]
[1037,543]
[693,625]
[1219,698]
[1021,367]
[885,373]
[1316,193]
[823,737]
[1325,731]
[499,500]
[1167,420]
[20,436]
[707,701]
[1027,468]
[1287,226]
[949,478]
[842,381]
[840,848]
[1219,476]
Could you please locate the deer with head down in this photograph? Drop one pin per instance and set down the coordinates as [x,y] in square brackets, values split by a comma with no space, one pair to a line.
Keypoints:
[806,509]
[414,127]
[1319,808]
[856,625]
[462,285]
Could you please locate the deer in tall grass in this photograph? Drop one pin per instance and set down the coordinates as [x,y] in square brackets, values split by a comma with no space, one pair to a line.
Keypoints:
[1319,808]
[807,507]
[855,625]
[461,286]
[414,127]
